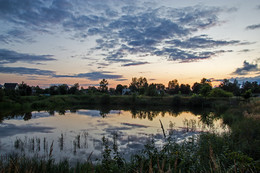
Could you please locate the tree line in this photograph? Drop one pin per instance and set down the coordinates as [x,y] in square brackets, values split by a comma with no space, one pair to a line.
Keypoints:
[140,86]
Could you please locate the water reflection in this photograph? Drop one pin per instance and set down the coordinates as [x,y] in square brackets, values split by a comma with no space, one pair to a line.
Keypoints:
[74,134]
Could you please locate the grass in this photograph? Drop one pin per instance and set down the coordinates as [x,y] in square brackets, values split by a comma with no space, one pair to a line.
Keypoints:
[208,153]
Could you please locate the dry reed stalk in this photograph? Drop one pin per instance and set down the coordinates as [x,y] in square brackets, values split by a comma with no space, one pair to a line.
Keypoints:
[150,166]
[162,129]
[51,149]
[211,154]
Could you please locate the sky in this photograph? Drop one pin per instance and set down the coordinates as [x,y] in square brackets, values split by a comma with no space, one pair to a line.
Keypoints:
[52,42]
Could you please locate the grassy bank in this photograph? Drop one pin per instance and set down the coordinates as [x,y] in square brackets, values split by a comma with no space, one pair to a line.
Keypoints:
[50,102]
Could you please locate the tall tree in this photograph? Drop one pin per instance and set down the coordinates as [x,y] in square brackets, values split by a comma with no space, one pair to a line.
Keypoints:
[24,89]
[139,85]
[173,87]
[63,89]
[74,89]
[103,85]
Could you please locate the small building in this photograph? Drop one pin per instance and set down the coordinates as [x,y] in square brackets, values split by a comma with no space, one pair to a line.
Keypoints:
[126,91]
[1,86]
[11,86]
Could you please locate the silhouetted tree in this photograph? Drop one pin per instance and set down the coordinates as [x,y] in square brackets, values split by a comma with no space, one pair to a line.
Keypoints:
[24,89]
[103,85]
[63,89]
[74,89]
[53,90]
[119,89]
[139,85]
[173,87]
[92,89]
[196,87]
[230,87]
[205,89]
[255,87]
[38,90]
[185,89]
[151,90]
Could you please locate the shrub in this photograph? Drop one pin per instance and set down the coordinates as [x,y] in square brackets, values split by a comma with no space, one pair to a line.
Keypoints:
[105,99]
[176,100]
[197,101]
[218,92]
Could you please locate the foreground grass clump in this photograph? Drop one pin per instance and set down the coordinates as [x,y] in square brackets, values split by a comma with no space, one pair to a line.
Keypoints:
[208,153]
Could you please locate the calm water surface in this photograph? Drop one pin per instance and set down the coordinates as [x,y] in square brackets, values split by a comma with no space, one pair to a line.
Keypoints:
[74,135]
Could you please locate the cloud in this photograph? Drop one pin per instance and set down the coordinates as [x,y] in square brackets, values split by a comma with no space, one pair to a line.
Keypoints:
[9,56]
[35,13]
[16,36]
[202,41]
[92,75]
[249,79]
[184,56]
[246,69]
[134,64]
[122,29]
[26,71]
[245,50]
[252,27]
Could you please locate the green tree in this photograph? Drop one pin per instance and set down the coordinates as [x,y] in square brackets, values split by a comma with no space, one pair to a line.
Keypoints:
[53,90]
[173,87]
[38,90]
[196,87]
[74,89]
[119,89]
[205,90]
[24,89]
[63,89]
[103,85]
[151,90]
[139,85]
[185,89]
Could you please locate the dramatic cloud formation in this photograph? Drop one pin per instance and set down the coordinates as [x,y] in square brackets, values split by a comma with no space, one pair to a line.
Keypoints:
[246,69]
[8,56]
[116,35]
[252,27]
[126,30]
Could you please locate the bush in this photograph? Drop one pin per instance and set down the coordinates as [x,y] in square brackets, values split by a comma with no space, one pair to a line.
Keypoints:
[197,101]
[218,92]
[176,100]
[105,99]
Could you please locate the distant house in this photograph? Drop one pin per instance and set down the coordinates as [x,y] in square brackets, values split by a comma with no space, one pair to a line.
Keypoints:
[11,86]
[1,86]
[126,91]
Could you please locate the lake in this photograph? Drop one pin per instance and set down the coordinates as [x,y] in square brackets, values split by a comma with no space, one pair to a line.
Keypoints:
[77,135]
